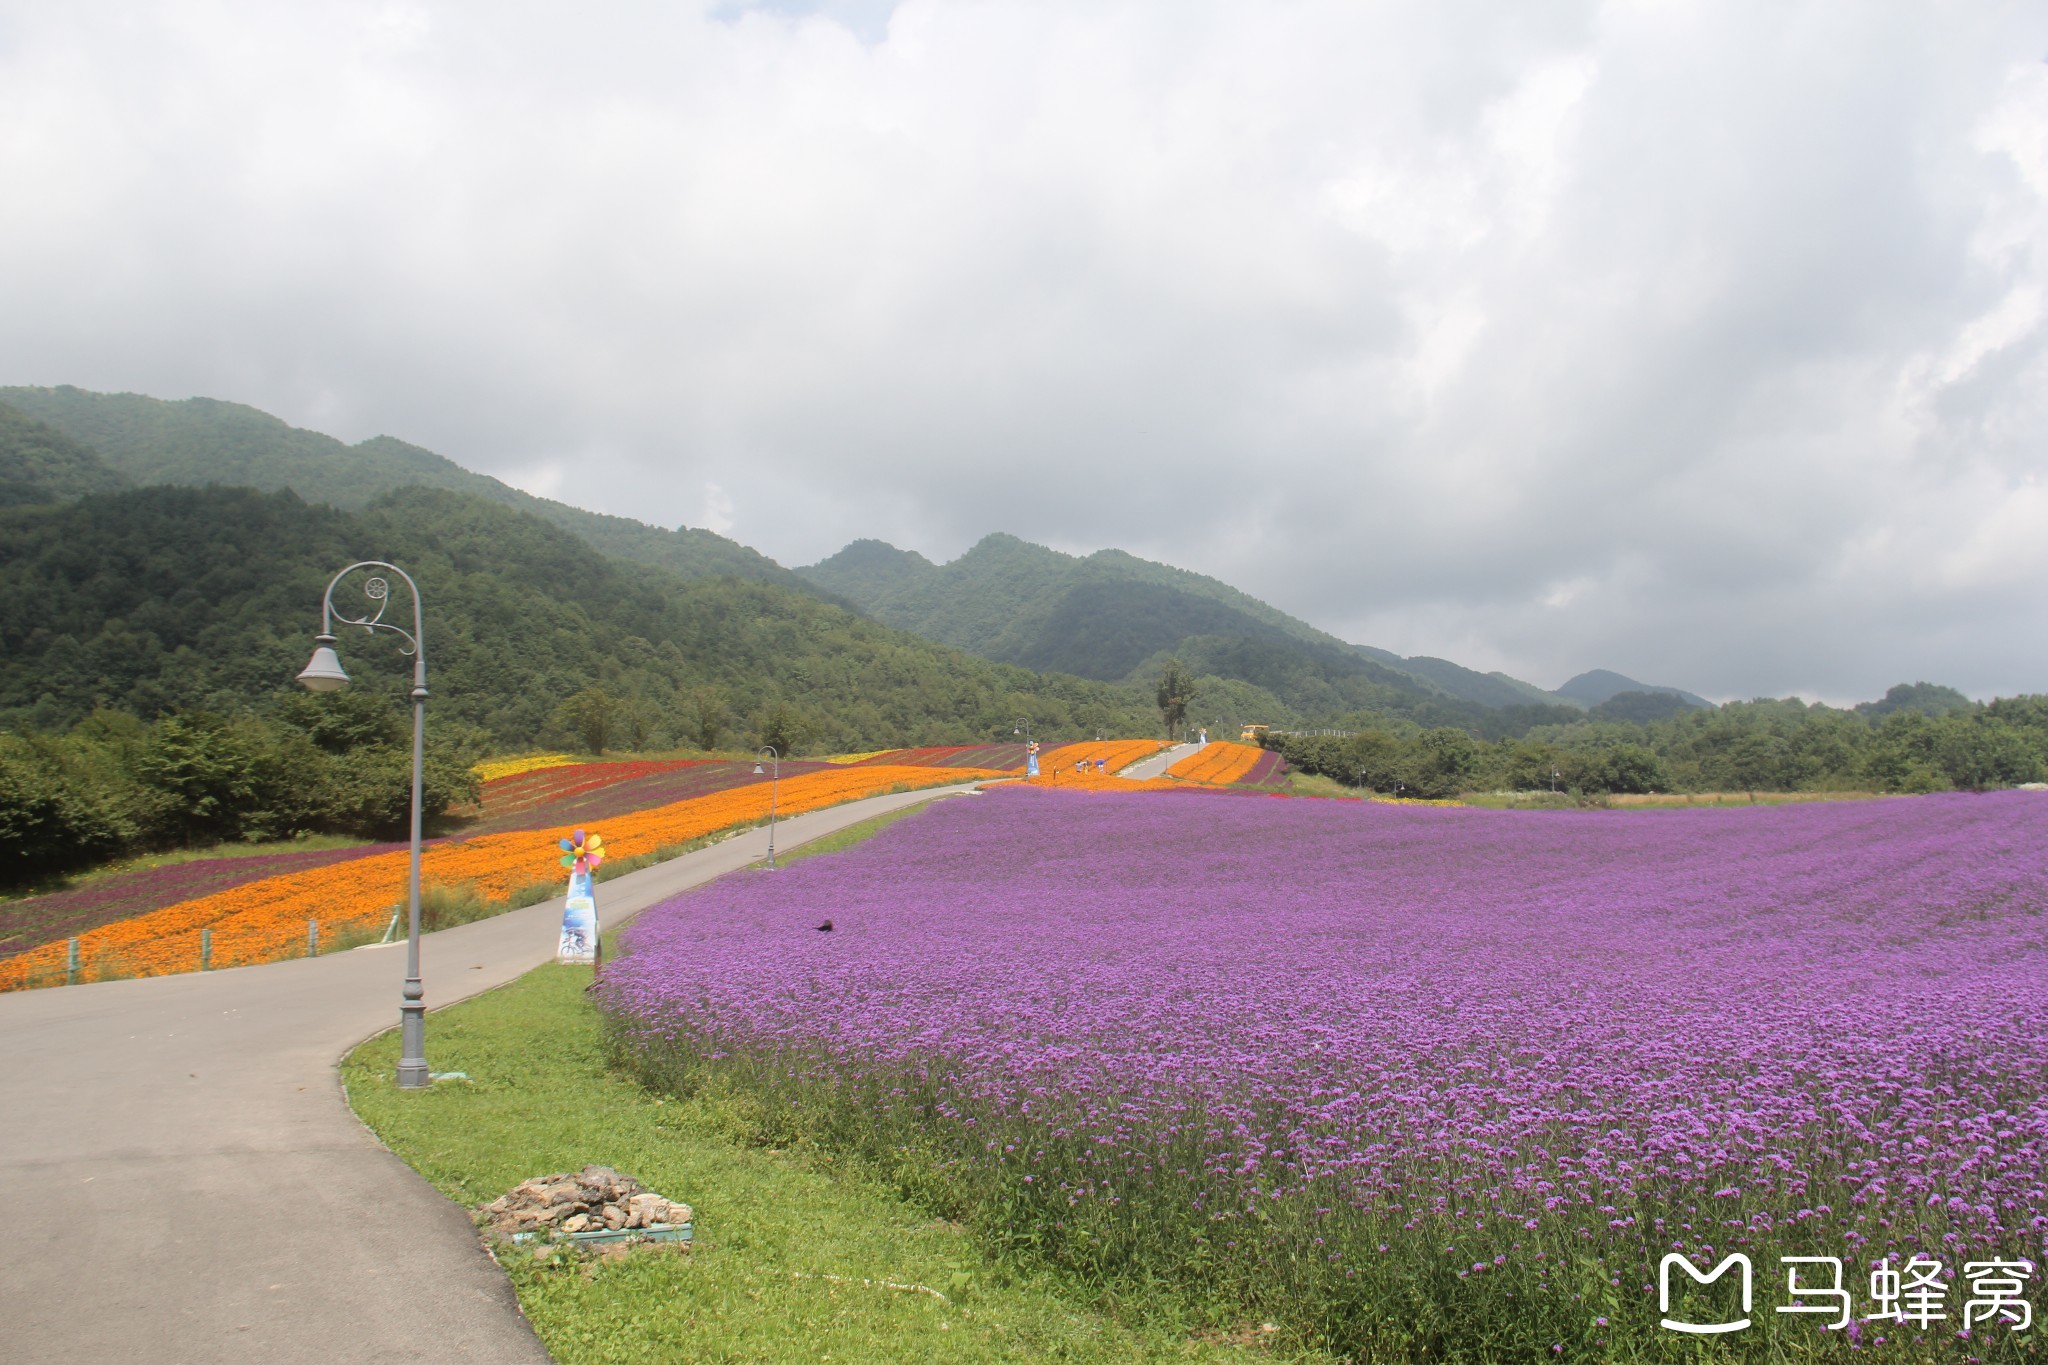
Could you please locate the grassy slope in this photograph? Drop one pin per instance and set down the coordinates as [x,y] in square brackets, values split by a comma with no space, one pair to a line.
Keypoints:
[770,1224]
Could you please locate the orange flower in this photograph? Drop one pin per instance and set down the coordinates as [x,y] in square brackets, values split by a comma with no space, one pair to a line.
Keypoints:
[1221,762]
[1116,753]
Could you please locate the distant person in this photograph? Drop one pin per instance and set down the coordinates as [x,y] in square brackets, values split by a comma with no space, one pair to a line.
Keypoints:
[1100,765]
[1205,737]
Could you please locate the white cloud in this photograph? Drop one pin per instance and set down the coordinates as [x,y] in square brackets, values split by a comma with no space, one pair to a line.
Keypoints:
[716,510]
[1701,341]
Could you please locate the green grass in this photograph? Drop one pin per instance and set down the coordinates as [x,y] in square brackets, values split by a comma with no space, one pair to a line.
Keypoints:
[772,1225]
[1315,784]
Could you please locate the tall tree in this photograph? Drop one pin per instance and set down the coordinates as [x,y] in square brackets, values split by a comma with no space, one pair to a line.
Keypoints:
[1176,690]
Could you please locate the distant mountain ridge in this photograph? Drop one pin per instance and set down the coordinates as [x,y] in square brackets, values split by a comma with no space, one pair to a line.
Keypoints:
[1599,685]
[1109,616]
[1113,616]
[197,442]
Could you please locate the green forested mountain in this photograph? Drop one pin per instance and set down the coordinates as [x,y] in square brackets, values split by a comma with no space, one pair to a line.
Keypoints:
[202,441]
[38,464]
[1597,686]
[1112,616]
[206,599]
[1929,699]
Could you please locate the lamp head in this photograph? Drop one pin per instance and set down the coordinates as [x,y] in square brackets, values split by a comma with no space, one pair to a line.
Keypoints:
[324,673]
[757,768]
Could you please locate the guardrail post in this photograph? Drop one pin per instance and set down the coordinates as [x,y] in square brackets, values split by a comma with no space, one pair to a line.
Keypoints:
[71,962]
[312,938]
[206,950]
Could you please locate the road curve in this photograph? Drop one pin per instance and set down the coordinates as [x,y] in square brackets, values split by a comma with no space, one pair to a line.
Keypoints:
[189,1183]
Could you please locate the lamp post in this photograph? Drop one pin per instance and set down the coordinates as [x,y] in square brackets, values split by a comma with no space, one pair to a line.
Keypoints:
[1553,781]
[1022,726]
[774,759]
[324,674]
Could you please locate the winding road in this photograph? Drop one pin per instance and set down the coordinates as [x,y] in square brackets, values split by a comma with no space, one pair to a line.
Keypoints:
[1157,765]
[187,1182]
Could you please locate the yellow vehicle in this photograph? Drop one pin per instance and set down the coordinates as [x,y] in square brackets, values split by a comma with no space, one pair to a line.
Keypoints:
[1251,733]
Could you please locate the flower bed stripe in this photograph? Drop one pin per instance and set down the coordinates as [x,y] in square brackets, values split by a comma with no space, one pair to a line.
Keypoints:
[999,757]
[1220,762]
[36,920]
[499,768]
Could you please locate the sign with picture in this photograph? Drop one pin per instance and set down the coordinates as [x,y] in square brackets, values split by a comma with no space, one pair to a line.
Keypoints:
[582,855]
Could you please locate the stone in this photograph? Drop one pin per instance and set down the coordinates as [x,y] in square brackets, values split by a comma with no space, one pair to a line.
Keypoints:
[593,1198]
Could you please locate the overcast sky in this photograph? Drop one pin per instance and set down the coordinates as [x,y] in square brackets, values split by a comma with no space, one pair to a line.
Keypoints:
[1704,342]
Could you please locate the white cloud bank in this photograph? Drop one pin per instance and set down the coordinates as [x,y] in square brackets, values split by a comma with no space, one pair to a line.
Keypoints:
[1705,342]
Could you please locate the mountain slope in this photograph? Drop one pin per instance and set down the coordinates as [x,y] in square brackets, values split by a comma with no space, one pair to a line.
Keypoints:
[1597,685]
[202,441]
[162,599]
[1111,615]
[39,463]
[1487,689]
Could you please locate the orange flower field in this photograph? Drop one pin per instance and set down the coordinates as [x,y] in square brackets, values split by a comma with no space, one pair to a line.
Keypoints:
[1119,753]
[1222,761]
[265,920]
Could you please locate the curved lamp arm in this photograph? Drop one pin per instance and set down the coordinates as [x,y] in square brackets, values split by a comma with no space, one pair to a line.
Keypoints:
[324,673]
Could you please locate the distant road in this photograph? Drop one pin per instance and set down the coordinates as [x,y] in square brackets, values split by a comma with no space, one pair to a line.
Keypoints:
[1157,765]
[191,1185]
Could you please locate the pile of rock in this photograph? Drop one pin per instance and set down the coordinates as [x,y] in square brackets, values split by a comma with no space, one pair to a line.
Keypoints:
[594,1199]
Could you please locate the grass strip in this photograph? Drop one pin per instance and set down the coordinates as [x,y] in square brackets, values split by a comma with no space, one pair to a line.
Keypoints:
[784,1238]
[841,840]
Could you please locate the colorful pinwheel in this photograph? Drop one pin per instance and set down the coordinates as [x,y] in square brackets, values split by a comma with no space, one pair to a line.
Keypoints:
[583,853]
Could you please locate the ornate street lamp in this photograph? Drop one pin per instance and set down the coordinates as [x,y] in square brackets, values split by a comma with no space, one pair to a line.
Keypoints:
[324,674]
[775,759]
[1022,726]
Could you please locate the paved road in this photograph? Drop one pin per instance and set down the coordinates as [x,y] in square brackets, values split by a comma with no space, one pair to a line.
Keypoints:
[186,1182]
[1157,765]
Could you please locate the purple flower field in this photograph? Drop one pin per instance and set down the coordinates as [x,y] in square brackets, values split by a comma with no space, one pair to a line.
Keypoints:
[1329,1056]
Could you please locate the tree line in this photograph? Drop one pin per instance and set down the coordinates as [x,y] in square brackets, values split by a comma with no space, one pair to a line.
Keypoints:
[115,784]
[1777,745]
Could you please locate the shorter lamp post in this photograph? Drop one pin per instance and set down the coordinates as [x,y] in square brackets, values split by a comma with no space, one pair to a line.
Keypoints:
[1022,726]
[325,674]
[775,760]
[1553,781]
